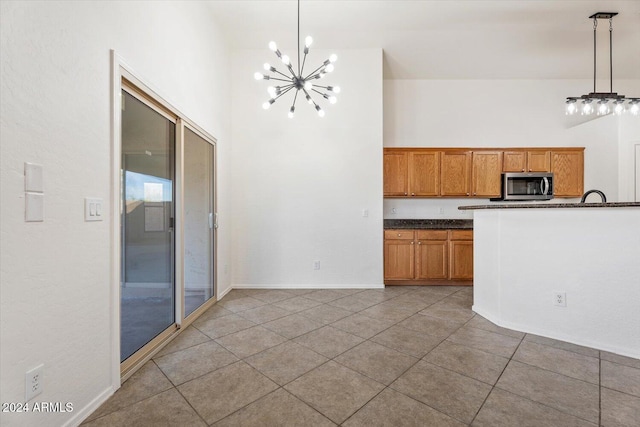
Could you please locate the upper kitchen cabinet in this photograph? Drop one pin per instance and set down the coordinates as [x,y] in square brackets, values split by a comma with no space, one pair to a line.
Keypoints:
[396,173]
[568,170]
[455,168]
[485,173]
[424,173]
[527,161]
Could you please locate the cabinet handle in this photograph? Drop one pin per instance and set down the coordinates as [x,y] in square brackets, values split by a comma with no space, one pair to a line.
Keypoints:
[405,194]
[419,243]
[412,243]
[399,235]
[467,194]
[475,194]
[413,194]
[522,170]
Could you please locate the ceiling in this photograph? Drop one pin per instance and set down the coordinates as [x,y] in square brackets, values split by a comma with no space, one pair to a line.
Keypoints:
[452,39]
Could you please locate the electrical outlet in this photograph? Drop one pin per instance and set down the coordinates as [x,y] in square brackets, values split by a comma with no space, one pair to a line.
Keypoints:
[33,382]
[441,211]
[560,299]
[316,265]
[394,210]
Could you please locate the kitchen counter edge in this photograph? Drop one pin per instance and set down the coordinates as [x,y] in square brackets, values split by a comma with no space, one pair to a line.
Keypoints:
[429,224]
[554,206]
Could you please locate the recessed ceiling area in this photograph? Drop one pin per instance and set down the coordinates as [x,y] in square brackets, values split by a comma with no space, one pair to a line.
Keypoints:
[453,39]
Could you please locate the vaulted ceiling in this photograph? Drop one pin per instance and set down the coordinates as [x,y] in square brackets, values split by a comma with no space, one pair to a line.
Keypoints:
[450,39]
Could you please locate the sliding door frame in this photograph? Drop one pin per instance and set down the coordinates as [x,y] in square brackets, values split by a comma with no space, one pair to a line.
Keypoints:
[121,72]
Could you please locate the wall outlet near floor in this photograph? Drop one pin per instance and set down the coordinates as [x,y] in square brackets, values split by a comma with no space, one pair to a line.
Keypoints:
[33,382]
[316,265]
[441,211]
[560,299]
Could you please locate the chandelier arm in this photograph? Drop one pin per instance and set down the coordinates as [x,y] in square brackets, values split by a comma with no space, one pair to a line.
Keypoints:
[280,80]
[282,74]
[295,97]
[317,91]
[310,98]
[304,60]
[315,71]
[282,93]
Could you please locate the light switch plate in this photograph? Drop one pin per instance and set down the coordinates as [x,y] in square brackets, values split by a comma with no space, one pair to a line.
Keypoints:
[33,178]
[33,207]
[93,209]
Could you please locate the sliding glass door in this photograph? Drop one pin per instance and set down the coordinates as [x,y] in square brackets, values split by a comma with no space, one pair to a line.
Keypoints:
[147,290]
[199,221]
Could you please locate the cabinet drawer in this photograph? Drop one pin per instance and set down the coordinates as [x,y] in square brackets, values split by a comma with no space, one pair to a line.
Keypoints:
[461,234]
[398,234]
[432,234]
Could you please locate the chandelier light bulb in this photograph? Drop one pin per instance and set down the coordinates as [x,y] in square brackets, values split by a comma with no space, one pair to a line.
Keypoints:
[309,100]
[291,111]
[634,109]
[336,89]
[285,60]
[266,105]
[307,41]
[333,58]
[320,111]
[586,107]
[329,68]
[619,108]
[266,66]
[273,46]
[258,76]
[333,99]
[308,85]
[603,108]
[571,107]
[272,91]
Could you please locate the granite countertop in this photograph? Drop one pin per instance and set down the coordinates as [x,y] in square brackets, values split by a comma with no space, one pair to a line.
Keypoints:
[429,224]
[554,205]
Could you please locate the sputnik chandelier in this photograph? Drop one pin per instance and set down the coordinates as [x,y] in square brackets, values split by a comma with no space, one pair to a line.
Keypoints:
[299,81]
[602,102]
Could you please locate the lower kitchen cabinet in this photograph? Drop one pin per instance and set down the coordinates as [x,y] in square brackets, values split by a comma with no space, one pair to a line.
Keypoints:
[425,256]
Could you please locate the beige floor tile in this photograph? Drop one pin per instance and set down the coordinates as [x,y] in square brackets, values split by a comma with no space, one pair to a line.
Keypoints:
[394,409]
[241,304]
[221,326]
[361,325]
[571,396]
[192,362]
[504,409]
[298,292]
[272,295]
[620,377]
[447,311]
[619,409]
[265,313]
[356,302]
[563,345]
[326,313]
[293,326]
[329,341]
[376,361]
[147,382]
[297,304]
[286,362]
[468,361]
[434,326]
[334,390]
[214,311]
[279,408]
[482,323]
[407,302]
[458,396]
[222,392]
[620,360]
[165,409]
[250,341]
[186,338]
[407,341]
[462,300]
[564,362]
[491,342]
[324,295]
[388,311]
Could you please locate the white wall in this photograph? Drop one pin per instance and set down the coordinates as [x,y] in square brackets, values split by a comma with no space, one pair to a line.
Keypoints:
[523,256]
[55,111]
[300,185]
[497,113]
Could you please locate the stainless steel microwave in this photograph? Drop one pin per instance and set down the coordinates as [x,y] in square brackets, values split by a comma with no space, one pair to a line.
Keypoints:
[527,186]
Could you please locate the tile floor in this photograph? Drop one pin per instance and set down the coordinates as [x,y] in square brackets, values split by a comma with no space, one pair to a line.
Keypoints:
[399,356]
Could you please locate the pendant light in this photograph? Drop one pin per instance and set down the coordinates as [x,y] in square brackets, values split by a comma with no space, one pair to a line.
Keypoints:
[602,103]
[298,81]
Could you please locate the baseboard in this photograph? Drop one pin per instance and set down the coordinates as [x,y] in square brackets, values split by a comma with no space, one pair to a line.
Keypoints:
[84,413]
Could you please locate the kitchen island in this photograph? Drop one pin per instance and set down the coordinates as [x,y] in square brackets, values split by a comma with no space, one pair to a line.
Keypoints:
[566,271]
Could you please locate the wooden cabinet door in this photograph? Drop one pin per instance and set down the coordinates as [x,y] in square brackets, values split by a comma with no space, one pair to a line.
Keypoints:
[432,259]
[514,161]
[539,161]
[455,171]
[461,259]
[396,174]
[399,259]
[486,169]
[424,173]
[568,173]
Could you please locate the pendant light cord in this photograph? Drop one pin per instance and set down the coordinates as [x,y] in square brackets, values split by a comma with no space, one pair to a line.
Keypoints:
[610,55]
[595,25]
[298,37]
